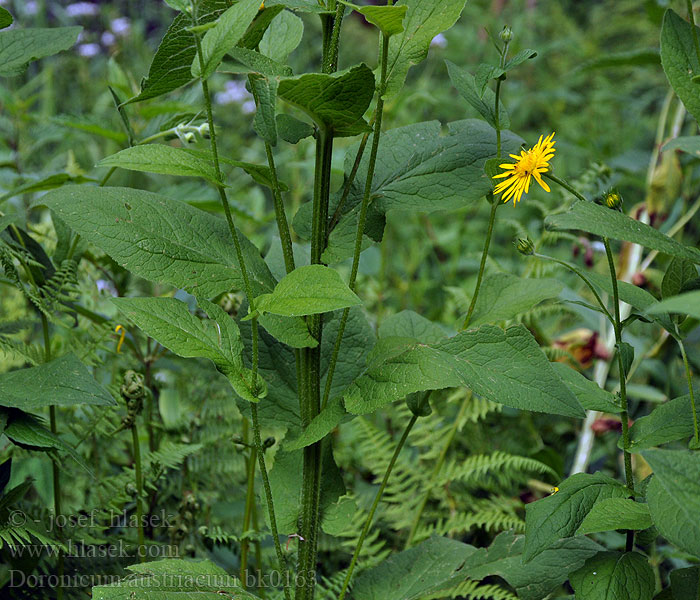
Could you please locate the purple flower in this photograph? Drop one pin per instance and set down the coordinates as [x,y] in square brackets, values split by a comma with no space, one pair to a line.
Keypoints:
[121,26]
[89,50]
[82,9]
[439,41]
[108,38]
[31,7]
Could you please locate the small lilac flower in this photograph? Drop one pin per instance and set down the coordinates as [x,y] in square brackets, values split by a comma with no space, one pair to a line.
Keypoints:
[439,41]
[108,38]
[89,50]
[234,93]
[82,9]
[121,26]
[248,107]
[31,7]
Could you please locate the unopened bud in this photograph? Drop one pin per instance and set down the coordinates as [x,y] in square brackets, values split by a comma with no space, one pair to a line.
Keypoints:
[525,246]
[612,199]
[506,34]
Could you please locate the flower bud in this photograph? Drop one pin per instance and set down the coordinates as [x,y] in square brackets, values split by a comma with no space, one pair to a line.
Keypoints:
[506,34]
[525,246]
[613,200]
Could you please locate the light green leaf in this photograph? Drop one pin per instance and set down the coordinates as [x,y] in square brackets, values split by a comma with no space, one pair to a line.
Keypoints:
[181,5]
[282,36]
[484,101]
[680,60]
[424,20]
[173,579]
[171,324]
[560,514]
[502,366]
[293,130]
[614,575]
[265,92]
[668,422]
[259,173]
[389,19]
[172,64]
[18,47]
[504,296]
[257,63]
[5,18]
[308,290]
[160,158]
[160,239]
[587,392]
[533,580]
[64,381]
[306,6]
[689,144]
[673,496]
[685,304]
[616,513]
[335,102]
[415,573]
[600,220]
[228,31]
[292,331]
[409,324]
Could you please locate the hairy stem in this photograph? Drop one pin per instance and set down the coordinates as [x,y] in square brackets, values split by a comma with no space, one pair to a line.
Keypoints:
[689,377]
[55,471]
[436,471]
[629,477]
[375,504]
[249,504]
[139,490]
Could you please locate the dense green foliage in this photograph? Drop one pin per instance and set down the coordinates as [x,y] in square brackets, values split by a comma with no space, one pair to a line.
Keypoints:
[267,330]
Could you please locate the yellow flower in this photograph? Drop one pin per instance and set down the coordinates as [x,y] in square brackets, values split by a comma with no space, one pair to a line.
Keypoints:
[530,163]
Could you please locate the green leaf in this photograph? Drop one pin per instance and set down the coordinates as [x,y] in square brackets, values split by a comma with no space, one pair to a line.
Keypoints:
[587,392]
[678,273]
[501,366]
[265,92]
[504,296]
[282,36]
[28,432]
[335,102]
[415,573]
[260,173]
[293,130]
[668,422]
[5,18]
[173,579]
[689,144]
[600,220]
[181,5]
[685,304]
[18,47]
[171,67]
[424,20]
[320,426]
[560,514]
[533,580]
[673,496]
[41,185]
[484,101]
[257,29]
[308,290]
[627,354]
[292,331]
[685,583]
[615,513]
[228,31]
[171,324]
[160,158]
[160,239]
[680,60]
[614,575]
[389,19]
[409,324]
[306,6]
[64,381]
[258,63]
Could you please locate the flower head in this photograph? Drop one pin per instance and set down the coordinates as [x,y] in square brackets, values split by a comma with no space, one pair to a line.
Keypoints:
[531,163]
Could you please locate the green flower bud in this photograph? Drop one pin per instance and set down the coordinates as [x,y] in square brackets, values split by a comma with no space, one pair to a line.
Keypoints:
[506,34]
[525,246]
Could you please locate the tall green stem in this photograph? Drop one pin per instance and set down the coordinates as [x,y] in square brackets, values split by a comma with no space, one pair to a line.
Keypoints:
[623,382]
[55,471]
[489,233]
[436,471]
[249,504]
[689,377]
[139,490]
[254,323]
[375,504]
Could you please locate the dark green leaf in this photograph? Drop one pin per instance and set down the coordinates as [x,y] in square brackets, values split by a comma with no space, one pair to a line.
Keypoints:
[409,324]
[293,130]
[686,583]
[560,514]
[689,144]
[484,101]
[389,19]
[600,220]
[685,304]
[667,423]
[5,18]
[627,354]
[614,575]
[680,60]
[265,92]
[616,513]
[678,273]
[587,392]
[64,381]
